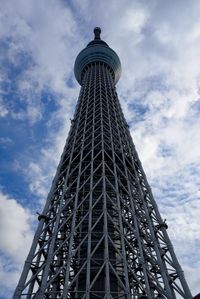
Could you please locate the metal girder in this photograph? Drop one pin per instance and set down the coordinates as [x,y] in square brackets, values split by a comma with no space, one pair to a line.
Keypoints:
[100,234]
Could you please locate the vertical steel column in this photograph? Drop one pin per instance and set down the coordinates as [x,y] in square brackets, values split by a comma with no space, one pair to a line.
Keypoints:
[100,234]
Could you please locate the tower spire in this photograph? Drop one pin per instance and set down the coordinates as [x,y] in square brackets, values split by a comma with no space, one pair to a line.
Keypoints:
[97,32]
[100,234]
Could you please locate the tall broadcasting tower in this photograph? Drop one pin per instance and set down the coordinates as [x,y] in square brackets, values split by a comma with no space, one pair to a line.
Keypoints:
[100,234]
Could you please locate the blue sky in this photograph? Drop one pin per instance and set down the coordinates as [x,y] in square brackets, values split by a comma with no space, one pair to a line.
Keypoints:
[158,43]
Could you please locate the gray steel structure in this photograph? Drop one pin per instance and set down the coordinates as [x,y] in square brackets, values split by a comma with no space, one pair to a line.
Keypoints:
[100,234]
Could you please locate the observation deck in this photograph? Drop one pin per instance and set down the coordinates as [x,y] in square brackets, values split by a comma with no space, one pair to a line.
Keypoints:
[97,51]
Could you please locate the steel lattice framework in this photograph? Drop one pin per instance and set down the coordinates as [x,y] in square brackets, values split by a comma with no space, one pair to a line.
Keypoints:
[100,234]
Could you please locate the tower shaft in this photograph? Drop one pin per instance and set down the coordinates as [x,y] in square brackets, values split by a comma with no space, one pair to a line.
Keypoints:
[100,234]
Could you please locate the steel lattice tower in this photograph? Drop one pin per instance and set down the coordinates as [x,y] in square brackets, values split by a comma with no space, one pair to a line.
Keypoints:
[100,234]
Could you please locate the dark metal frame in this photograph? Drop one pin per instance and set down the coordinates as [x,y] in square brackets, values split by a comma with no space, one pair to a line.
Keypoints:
[100,234]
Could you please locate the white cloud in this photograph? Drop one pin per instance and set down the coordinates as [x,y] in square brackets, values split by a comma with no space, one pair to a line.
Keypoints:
[184,231]
[45,41]
[41,169]
[191,274]
[16,237]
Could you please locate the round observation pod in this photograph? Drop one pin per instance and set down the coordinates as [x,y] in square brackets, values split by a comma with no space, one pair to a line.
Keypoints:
[97,51]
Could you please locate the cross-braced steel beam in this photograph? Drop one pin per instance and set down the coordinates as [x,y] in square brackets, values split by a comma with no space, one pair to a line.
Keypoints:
[100,234]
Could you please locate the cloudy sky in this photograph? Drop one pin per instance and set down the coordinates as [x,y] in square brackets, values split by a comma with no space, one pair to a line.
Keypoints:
[158,43]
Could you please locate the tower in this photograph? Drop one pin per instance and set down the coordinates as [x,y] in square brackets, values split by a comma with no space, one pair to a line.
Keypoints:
[100,234]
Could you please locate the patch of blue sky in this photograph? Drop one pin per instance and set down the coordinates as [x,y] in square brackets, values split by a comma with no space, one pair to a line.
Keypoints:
[9,265]
[18,190]
[13,179]
[14,63]
[50,101]
[13,183]
[70,81]
[13,68]
[173,196]
[7,293]
[10,179]
[195,109]
[139,108]
[19,132]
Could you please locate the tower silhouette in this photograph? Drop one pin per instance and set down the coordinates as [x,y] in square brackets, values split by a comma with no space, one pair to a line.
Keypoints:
[100,234]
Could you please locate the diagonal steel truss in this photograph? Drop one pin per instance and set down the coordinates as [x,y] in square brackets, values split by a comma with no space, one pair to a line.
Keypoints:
[100,234]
